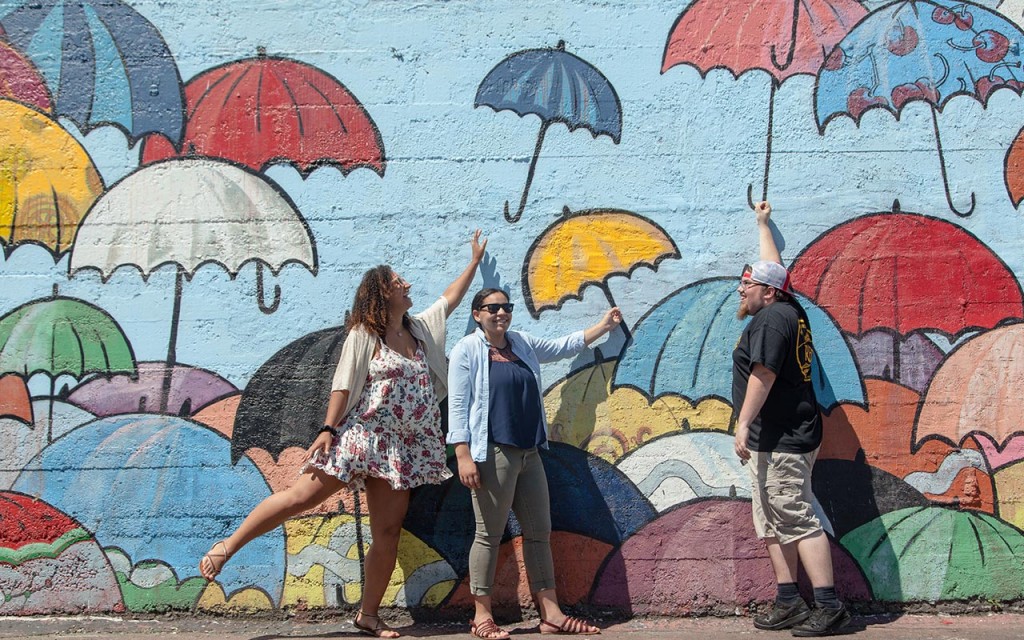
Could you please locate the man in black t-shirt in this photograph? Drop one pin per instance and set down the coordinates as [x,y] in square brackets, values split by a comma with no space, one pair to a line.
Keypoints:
[778,432]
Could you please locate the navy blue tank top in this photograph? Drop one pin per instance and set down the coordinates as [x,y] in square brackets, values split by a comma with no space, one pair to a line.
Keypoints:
[514,409]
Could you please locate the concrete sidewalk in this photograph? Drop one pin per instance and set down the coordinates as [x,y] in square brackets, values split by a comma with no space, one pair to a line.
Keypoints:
[1003,626]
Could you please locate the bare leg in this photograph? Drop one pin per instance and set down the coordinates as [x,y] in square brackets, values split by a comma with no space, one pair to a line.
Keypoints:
[387,509]
[482,614]
[784,560]
[816,557]
[308,491]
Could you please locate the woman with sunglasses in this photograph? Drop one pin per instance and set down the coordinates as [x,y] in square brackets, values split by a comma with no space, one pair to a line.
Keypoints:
[382,432]
[497,424]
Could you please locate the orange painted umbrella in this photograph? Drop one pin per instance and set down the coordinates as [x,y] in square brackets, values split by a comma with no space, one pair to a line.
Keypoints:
[14,399]
[1013,169]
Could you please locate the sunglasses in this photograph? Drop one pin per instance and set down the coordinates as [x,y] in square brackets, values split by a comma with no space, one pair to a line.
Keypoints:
[495,306]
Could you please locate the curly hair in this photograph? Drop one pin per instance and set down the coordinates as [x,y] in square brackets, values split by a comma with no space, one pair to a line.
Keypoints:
[370,309]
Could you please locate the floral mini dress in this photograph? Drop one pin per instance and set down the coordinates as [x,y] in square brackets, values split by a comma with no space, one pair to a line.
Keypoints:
[394,430]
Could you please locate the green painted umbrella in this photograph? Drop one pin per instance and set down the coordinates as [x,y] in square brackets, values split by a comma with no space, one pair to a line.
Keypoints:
[936,553]
[63,336]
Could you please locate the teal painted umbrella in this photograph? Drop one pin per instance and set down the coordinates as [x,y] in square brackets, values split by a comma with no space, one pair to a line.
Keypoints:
[63,336]
[936,553]
[684,345]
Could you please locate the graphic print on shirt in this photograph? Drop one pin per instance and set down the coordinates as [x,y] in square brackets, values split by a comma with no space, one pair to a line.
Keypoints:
[804,349]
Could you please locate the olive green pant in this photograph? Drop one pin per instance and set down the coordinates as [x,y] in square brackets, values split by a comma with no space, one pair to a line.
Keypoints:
[511,478]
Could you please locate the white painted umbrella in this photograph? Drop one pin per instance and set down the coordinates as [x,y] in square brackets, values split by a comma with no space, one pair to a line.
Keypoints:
[190,212]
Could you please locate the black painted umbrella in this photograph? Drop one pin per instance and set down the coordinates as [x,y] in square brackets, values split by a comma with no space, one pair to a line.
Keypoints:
[285,402]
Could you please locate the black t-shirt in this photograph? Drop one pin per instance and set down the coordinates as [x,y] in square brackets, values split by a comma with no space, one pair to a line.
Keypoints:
[779,338]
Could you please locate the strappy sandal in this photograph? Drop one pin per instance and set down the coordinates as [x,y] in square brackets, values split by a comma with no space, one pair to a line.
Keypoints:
[214,568]
[377,630]
[571,627]
[487,630]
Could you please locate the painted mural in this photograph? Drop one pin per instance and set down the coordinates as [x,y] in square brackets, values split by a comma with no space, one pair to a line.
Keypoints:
[184,218]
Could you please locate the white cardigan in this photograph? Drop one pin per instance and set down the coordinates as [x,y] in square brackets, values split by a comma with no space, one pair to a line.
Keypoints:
[428,326]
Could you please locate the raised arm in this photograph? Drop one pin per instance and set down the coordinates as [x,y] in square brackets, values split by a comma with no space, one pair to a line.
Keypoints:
[611,319]
[769,251]
[457,289]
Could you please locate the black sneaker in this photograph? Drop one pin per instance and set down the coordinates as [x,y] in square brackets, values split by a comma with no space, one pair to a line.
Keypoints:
[823,622]
[783,616]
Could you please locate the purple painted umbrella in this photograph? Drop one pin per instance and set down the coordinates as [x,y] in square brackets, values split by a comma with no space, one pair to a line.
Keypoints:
[701,557]
[191,389]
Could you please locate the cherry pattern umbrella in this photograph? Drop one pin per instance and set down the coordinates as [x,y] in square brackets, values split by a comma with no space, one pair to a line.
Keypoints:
[920,50]
[781,37]
[264,110]
[556,86]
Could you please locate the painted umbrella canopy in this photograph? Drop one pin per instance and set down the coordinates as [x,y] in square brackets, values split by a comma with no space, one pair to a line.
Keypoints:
[556,86]
[920,50]
[47,180]
[904,271]
[50,564]
[933,553]
[1013,169]
[159,488]
[780,37]
[684,346]
[589,248]
[14,399]
[20,80]
[63,336]
[192,388]
[977,390]
[105,63]
[266,109]
[285,401]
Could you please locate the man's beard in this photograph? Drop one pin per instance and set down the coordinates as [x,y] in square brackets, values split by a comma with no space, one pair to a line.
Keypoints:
[742,312]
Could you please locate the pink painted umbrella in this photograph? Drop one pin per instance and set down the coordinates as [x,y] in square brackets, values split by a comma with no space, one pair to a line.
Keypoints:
[21,81]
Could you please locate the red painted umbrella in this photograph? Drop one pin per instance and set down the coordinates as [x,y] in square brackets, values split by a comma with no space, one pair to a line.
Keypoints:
[905,272]
[781,37]
[20,80]
[266,110]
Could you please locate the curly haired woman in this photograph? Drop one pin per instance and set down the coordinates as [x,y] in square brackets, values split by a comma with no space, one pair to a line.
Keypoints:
[382,433]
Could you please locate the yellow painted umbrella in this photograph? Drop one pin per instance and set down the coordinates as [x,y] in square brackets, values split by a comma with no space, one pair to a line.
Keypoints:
[47,180]
[589,248]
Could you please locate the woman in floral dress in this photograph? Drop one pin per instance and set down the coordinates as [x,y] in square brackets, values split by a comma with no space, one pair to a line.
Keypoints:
[382,433]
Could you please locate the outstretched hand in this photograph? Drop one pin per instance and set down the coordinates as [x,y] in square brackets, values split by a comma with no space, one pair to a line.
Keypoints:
[612,318]
[763,211]
[478,247]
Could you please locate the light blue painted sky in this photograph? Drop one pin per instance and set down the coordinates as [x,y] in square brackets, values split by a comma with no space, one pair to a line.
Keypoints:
[689,147]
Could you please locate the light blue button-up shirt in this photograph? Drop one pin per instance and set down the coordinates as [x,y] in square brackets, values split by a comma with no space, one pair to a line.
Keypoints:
[469,385]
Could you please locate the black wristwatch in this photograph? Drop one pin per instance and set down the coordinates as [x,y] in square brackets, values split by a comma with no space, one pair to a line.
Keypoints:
[329,429]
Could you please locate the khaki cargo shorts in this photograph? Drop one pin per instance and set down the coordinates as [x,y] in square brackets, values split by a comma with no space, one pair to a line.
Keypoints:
[781,495]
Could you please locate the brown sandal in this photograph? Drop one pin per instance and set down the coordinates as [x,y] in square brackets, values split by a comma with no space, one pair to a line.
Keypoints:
[571,626]
[487,630]
[377,630]
[213,568]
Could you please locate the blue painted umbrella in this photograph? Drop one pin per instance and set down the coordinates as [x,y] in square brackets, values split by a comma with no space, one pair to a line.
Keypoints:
[684,346]
[556,86]
[928,50]
[104,64]
[159,488]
